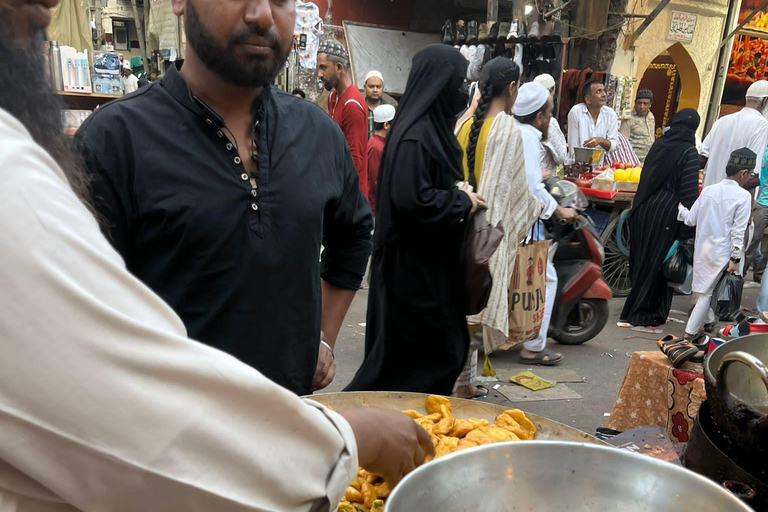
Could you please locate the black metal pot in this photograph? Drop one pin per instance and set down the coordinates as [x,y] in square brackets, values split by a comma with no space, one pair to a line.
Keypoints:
[706,454]
[737,390]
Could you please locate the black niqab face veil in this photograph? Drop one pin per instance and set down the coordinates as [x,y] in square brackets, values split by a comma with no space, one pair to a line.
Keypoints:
[427,114]
[432,101]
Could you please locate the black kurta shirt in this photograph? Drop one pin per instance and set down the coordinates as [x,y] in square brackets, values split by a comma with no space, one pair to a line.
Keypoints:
[242,269]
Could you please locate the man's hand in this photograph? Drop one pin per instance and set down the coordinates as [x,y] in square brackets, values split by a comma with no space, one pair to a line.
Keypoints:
[597,141]
[732,267]
[568,215]
[389,443]
[326,367]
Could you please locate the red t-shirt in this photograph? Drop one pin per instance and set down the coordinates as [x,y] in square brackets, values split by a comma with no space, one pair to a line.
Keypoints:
[375,152]
[351,114]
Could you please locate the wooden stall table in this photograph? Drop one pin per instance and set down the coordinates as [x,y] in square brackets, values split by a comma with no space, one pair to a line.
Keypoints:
[656,393]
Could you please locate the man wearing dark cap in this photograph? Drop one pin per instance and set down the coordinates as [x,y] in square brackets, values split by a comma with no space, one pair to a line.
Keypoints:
[345,104]
[640,128]
[721,215]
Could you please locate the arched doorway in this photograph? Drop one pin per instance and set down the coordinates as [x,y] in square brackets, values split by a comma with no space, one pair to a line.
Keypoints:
[674,80]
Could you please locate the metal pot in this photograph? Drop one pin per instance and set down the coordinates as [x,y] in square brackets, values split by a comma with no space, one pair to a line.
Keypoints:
[549,476]
[588,156]
[737,390]
[706,455]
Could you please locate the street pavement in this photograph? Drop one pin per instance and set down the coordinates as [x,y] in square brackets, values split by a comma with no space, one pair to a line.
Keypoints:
[588,380]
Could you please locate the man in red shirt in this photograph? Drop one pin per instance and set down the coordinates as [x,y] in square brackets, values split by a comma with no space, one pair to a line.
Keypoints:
[382,116]
[345,104]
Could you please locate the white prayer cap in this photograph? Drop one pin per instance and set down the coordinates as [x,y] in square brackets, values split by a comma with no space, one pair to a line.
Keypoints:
[758,89]
[374,74]
[546,80]
[531,97]
[383,114]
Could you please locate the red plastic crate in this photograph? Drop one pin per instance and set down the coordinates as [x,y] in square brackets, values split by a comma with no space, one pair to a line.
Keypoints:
[600,194]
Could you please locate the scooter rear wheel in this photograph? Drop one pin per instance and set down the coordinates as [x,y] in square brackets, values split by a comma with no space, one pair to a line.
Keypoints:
[584,322]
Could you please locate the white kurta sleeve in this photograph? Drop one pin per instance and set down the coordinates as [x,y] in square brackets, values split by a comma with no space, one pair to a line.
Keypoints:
[740,223]
[613,131]
[689,217]
[573,134]
[758,142]
[556,142]
[105,401]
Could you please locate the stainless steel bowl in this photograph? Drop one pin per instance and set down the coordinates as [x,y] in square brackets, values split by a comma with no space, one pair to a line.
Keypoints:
[549,476]
[588,156]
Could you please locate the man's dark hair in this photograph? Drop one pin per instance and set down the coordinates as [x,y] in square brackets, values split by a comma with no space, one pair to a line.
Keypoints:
[587,90]
[338,60]
[378,126]
[530,118]
[299,92]
[732,170]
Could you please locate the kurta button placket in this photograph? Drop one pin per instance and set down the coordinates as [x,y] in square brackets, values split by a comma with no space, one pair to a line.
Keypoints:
[220,134]
[208,122]
[244,177]
[229,146]
[254,192]
[254,206]
[237,160]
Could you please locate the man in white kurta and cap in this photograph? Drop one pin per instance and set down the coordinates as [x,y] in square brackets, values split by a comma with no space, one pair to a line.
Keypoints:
[554,147]
[720,215]
[746,128]
[533,112]
[105,403]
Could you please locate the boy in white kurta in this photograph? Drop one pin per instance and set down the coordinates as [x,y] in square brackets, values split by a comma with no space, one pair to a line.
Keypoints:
[721,215]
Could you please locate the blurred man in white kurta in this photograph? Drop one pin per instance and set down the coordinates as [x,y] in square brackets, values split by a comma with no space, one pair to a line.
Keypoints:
[105,404]
[720,215]
[746,128]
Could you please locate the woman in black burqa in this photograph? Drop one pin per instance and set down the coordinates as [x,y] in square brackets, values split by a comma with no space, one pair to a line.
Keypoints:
[670,177]
[416,332]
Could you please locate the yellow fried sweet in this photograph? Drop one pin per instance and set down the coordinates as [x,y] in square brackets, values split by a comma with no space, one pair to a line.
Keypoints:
[345,506]
[378,506]
[444,426]
[357,482]
[369,495]
[490,434]
[413,414]
[465,443]
[463,427]
[382,490]
[515,421]
[446,445]
[434,418]
[426,424]
[353,494]
[438,404]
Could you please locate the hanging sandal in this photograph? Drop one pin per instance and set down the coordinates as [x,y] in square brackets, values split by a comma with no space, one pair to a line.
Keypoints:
[678,351]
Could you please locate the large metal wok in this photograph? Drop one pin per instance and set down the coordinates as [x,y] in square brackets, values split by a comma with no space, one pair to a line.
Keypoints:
[556,476]
[737,391]
[547,429]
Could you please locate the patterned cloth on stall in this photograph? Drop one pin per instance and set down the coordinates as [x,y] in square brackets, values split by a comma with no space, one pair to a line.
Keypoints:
[656,393]
[309,23]
[623,153]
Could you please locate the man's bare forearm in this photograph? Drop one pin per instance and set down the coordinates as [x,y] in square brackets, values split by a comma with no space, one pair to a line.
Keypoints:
[336,302]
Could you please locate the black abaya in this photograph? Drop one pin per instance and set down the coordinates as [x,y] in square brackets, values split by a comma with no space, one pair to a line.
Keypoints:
[416,332]
[671,177]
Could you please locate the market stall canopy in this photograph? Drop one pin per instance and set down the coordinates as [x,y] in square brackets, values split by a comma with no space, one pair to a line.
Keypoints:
[387,50]
[70,25]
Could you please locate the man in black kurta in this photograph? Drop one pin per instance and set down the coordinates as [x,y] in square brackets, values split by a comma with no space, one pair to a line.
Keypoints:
[234,251]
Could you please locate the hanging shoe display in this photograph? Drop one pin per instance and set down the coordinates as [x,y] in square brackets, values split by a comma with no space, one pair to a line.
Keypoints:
[493,35]
[534,32]
[449,33]
[472,32]
[461,33]
[483,32]
[514,30]
[504,29]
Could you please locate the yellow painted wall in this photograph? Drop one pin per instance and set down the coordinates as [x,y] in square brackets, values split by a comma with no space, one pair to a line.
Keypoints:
[696,61]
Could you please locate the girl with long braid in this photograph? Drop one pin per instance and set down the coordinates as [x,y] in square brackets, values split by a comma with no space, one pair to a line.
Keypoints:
[493,151]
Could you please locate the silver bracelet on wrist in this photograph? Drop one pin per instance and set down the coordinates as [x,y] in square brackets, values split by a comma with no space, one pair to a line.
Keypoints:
[326,345]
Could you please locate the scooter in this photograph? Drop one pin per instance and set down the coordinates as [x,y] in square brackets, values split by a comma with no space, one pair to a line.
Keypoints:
[581,307]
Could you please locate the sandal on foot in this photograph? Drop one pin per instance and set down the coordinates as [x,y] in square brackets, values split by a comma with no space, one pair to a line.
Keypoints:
[678,352]
[554,359]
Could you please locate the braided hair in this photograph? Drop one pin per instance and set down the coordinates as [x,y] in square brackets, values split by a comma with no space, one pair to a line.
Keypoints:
[495,79]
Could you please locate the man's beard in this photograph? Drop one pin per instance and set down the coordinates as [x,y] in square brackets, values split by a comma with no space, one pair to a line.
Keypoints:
[224,62]
[330,84]
[26,94]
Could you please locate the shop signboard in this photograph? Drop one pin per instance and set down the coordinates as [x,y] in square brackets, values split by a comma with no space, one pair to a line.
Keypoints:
[682,26]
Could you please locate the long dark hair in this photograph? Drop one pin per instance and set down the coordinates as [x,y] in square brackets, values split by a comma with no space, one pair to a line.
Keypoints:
[494,81]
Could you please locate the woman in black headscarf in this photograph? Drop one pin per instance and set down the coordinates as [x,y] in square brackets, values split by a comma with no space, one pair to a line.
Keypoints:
[670,177]
[416,333]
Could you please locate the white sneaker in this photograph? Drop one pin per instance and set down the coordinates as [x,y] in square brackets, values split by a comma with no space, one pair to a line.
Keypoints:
[464,51]
[514,30]
[471,54]
[476,64]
